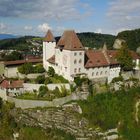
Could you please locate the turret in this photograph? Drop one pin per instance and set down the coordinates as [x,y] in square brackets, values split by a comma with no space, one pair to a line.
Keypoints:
[49,45]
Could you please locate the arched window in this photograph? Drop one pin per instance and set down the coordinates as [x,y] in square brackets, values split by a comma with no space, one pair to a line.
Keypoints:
[92,73]
[96,73]
[101,73]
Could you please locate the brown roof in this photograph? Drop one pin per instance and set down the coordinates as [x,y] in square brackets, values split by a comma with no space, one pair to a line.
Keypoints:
[95,59]
[113,53]
[19,62]
[70,41]
[12,84]
[52,59]
[49,37]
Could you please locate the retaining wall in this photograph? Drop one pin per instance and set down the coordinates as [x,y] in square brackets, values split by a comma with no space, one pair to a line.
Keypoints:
[56,102]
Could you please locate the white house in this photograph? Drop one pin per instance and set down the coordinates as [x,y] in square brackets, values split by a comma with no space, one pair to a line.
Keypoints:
[70,58]
[10,88]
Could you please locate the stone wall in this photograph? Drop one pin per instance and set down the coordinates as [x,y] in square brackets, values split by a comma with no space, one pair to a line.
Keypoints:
[3,94]
[31,87]
[56,102]
[12,72]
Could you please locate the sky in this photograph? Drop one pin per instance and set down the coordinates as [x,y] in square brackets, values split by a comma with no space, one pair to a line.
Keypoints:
[35,17]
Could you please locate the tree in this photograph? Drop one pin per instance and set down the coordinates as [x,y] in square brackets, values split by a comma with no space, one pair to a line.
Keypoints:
[40,79]
[51,72]
[39,68]
[42,91]
[124,57]
[26,68]
[15,55]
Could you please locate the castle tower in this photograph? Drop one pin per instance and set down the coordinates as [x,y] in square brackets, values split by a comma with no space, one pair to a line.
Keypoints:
[69,55]
[49,45]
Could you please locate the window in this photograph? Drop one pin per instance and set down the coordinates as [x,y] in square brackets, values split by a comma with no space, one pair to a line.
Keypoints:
[80,53]
[101,73]
[75,54]
[105,72]
[79,69]
[92,73]
[80,61]
[96,73]
[75,70]
[75,61]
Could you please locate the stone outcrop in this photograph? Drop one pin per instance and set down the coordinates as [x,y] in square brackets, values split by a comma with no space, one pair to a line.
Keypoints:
[66,118]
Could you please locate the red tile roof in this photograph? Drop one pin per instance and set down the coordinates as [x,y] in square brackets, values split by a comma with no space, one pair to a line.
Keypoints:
[70,41]
[95,59]
[19,62]
[49,37]
[52,59]
[12,84]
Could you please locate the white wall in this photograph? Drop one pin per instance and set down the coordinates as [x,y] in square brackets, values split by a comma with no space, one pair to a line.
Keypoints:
[65,65]
[113,72]
[99,72]
[3,94]
[48,51]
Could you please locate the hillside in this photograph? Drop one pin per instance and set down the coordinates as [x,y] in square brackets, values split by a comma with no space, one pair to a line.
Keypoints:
[21,43]
[95,40]
[132,37]
[88,39]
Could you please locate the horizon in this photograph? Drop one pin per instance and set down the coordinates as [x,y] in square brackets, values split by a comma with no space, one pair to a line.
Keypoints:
[32,17]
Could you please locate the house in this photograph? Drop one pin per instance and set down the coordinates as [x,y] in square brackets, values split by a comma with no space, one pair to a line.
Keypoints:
[70,58]
[10,88]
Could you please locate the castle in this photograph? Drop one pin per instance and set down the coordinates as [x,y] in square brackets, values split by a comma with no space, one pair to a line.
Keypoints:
[70,58]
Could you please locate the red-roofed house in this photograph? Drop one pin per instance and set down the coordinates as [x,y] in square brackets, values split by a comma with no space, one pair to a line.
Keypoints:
[11,88]
[69,58]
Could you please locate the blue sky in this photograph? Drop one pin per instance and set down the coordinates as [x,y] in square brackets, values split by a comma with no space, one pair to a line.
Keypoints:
[35,17]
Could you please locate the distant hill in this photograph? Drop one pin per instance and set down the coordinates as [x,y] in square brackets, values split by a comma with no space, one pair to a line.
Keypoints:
[7,36]
[132,37]
[96,40]
[88,39]
[21,43]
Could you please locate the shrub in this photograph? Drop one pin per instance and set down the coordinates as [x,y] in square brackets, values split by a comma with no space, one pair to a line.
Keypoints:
[51,72]
[39,68]
[42,91]
[40,79]
[117,79]
[26,68]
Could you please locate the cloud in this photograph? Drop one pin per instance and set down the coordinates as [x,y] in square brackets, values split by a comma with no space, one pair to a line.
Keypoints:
[99,31]
[2,26]
[124,13]
[44,27]
[28,28]
[45,9]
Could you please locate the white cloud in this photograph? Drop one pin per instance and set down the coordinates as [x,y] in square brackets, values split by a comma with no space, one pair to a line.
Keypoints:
[124,13]
[2,26]
[99,31]
[28,28]
[45,9]
[44,27]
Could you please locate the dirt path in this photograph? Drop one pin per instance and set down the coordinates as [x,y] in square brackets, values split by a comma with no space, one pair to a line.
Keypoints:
[137,110]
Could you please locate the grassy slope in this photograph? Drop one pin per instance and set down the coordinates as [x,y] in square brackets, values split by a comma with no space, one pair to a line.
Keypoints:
[111,110]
